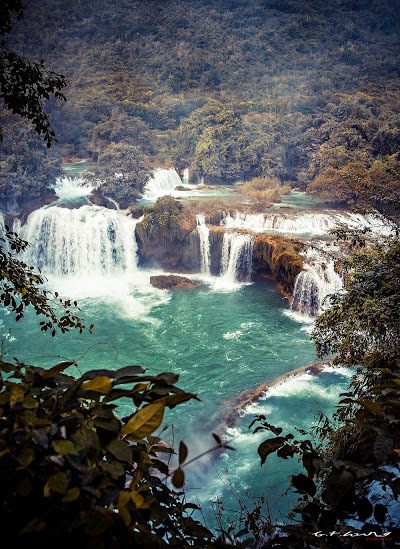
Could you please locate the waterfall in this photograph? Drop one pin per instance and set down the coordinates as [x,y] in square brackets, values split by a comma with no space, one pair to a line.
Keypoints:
[186,179]
[204,233]
[317,281]
[88,241]
[162,183]
[313,223]
[72,187]
[236,258]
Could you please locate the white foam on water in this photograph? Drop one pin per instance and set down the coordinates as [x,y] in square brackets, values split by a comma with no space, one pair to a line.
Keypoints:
[302,385]
[72,187]
[338,370]
[233,335]
[302,318]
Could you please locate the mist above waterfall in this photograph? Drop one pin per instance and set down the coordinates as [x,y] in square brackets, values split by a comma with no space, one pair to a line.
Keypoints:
[72,187]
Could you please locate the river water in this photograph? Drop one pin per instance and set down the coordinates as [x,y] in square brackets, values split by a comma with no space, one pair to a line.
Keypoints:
[221,338]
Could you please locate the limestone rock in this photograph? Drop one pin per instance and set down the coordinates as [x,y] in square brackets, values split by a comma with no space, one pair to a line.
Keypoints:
[172,282]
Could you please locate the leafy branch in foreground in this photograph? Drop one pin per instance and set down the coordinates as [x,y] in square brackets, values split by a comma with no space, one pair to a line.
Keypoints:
[73,473]
[334,494]
[19,287]
[24,85]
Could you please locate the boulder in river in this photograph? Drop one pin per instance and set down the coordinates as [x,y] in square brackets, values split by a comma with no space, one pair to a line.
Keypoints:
[172,282]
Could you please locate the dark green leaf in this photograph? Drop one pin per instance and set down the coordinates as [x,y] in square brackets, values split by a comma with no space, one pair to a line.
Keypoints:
[269,446]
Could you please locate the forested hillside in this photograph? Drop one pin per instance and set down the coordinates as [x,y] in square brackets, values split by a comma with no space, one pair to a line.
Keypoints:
[303,91]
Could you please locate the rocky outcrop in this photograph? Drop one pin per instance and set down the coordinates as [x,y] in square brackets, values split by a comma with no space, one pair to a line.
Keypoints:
[172,282]
[21,207]
[176,250]
[278,257]
[237,404]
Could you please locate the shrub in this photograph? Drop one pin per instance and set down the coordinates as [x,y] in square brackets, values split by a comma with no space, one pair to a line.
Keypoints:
[74,474]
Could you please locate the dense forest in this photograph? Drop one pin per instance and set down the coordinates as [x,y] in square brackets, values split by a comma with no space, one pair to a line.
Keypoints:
[304,92]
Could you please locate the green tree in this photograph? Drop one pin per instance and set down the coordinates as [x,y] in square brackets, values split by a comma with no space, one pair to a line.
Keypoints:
[27,168]
[25,85]
[120,174]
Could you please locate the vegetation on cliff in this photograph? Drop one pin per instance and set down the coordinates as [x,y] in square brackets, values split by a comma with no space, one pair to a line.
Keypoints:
[278,257]
[162,219]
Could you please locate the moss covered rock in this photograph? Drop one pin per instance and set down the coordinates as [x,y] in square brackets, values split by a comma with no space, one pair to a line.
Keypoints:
[278,257]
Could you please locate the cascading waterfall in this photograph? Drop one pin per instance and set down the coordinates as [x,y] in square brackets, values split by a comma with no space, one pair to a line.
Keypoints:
[317,281]
[204,233]
[88,241]
[313,223]
[236,257]
[162,183]
[72,187]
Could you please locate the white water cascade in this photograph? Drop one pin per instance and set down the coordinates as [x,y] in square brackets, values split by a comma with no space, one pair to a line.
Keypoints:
[315,283]
[72,187]
[162,183]
[313,223]
[204,233]
[236,258]
[89,241]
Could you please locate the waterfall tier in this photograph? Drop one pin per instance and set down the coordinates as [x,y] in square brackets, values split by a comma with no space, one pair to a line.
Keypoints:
[186,178]
[72,187]
[204,235]
[236,257]
[87,241]
[162,183]
[315,283]
[313,223]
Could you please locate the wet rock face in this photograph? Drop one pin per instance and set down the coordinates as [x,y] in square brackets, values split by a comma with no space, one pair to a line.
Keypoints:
[172,282]
[179,253]
[279,257]
[178,250]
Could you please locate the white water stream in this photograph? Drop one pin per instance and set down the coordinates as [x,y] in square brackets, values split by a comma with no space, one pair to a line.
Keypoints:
[315,283]
[204,233]
[311,223]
